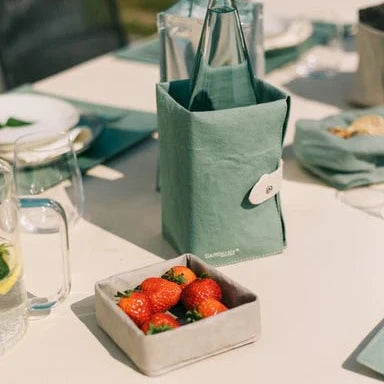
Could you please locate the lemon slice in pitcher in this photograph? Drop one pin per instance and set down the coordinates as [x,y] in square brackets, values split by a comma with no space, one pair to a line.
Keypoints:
[10,268]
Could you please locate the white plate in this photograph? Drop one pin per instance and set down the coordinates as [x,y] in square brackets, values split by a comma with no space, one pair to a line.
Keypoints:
[45,113]
[82,138]
[274,25]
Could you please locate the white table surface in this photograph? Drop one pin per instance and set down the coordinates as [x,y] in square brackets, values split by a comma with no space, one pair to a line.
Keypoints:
[319,299]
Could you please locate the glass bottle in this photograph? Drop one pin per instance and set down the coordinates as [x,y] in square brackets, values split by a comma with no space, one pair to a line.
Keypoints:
[222,76]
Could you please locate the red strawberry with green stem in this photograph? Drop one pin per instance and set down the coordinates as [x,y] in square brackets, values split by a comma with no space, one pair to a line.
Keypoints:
[208,307]
[181,275]
[162,294]
[159,322]
[194,293]
[136,305]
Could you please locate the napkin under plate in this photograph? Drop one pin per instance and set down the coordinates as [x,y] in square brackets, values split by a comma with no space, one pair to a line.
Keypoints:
[123,128]
[81,138]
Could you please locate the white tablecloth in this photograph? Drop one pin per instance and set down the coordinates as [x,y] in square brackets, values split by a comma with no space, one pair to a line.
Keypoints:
[318,300]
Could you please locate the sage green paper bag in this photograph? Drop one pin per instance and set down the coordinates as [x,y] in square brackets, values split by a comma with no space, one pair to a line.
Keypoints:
[209,163]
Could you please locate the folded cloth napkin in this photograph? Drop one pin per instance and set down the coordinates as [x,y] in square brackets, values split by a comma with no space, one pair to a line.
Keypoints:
[80,137]
[372,356]
[342,163]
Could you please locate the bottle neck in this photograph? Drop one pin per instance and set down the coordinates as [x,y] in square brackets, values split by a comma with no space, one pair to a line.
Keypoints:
[222,76]
[222,4]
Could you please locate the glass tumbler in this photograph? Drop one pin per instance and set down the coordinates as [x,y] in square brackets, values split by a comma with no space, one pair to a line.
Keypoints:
[46,166]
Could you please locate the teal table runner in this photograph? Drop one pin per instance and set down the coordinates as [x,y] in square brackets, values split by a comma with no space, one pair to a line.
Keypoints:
[149,51]
[123,128]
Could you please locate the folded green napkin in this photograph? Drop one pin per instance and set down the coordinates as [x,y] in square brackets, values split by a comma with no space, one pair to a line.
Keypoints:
[123,128]
[149,51]
[342,163]
[372,356]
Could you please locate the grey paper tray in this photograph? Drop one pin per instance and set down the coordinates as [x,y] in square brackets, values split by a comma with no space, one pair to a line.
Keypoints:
[159,353]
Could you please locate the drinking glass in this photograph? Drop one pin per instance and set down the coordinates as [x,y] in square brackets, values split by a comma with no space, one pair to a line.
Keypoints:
[323,60]
[369,199]
[45,166]
[14,304]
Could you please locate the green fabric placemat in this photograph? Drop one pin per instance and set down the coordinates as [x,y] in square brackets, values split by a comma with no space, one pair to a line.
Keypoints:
[149,51]
[123,128]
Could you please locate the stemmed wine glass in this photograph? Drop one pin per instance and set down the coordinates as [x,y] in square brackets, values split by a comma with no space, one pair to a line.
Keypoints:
[369,199]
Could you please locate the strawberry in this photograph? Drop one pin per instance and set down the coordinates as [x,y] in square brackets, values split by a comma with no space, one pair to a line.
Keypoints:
[159,322]
[206,308]
[136,305]
[181,275]
[151,284]
[162,294]
[200,289]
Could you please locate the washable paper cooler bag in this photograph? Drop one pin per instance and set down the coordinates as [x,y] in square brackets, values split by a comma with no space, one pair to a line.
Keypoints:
[210,164]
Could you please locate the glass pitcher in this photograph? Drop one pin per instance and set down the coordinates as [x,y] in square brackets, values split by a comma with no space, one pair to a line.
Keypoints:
[14,303]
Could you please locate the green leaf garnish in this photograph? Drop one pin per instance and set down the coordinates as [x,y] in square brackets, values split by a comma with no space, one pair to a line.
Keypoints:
[13,122]
[4,268]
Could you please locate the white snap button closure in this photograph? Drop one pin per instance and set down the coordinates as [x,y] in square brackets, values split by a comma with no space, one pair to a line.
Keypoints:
[267,186]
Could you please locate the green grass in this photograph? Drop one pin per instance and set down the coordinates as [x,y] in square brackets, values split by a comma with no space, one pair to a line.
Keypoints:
[139,16]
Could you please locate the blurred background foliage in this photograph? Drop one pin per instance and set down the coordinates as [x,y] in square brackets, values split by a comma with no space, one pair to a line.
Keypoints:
[139,16]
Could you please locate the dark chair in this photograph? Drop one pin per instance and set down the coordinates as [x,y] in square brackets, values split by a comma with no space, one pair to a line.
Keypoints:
[39,38]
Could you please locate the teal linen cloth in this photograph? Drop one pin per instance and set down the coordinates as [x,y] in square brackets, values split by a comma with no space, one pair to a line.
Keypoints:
[372,356]
[123,128]
[342,163]
[149,51]
[209,162]
[146,52]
